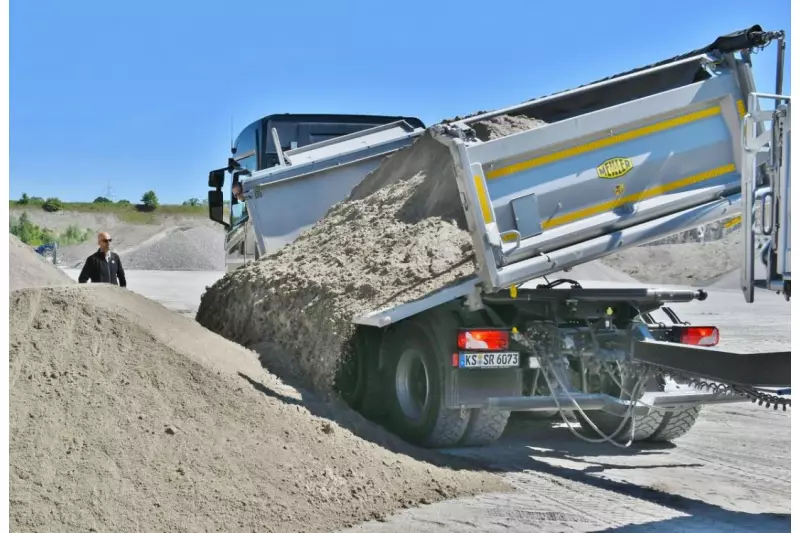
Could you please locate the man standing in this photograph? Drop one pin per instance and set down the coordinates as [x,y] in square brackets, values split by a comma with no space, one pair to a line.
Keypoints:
[103,266]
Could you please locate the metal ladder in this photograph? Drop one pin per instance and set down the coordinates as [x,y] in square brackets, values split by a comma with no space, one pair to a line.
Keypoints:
[766,184]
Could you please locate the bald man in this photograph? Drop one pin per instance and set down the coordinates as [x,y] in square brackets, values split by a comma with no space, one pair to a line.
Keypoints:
[104,265]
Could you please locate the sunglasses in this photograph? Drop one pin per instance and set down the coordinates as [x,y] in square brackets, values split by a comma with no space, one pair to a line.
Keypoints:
[105,240]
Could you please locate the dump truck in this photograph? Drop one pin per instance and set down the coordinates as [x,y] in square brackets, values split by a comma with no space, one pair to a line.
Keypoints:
[621,162]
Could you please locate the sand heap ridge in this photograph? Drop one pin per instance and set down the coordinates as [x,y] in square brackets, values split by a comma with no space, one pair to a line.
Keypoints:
[399,236]
[126,417]
[29,269]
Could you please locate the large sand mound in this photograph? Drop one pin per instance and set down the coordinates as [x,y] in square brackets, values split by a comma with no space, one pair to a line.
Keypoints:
[125,417]
[29,269]
[399,236]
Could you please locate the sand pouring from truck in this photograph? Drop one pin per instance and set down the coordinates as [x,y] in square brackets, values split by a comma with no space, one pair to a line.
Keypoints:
[617,163]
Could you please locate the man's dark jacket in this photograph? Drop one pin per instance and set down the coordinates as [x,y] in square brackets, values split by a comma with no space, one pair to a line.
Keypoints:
[99,270]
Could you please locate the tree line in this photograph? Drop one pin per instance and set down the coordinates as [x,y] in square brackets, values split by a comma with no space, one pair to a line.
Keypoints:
[148,201]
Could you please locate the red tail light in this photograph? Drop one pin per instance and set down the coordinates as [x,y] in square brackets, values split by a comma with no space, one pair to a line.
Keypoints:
[700,336]
[483,339]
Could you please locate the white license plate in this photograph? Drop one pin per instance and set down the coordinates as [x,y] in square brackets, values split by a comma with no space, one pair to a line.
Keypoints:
[488,360]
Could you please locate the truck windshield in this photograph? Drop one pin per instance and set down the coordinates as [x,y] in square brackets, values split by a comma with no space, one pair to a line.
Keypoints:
[246,155]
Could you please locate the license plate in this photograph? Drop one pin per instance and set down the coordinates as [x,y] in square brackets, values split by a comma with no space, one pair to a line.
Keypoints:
[488,360]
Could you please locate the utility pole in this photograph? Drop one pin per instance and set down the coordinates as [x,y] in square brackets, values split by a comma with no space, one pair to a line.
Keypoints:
[109,192]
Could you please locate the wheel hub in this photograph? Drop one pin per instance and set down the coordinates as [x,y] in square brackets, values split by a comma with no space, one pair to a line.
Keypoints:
[412,384]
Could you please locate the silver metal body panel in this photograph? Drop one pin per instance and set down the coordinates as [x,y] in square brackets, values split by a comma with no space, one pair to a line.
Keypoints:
[671,151]
[286,200]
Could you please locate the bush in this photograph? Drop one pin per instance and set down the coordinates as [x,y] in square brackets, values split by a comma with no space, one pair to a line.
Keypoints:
[194,202]
[37,200]
[150,200]
[74,235]
[52,205]
[124,202]
[102,200]
[24,200]
[33,235]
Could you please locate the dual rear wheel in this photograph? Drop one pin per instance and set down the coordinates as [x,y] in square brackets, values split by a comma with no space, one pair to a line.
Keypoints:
[414,378]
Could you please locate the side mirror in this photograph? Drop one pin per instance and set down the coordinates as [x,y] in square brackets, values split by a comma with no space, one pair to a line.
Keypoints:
[216,179]
[216,208]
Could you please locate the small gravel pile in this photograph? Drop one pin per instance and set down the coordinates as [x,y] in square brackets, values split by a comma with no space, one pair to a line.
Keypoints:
[26,268]
[680,264]
[182,248]
[399,236]
[126,417]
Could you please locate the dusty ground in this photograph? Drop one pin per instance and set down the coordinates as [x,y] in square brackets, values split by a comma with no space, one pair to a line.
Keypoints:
[127,417]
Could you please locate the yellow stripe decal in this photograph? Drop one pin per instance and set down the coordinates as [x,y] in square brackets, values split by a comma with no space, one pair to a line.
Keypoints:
[603,143]
[732,222]
[741,108]
[483,199]
[604,207]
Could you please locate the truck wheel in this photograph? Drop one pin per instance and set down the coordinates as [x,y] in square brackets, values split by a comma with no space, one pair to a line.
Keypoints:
[485,426]
[351,376]
[676,424]
[415,387]
[644,426]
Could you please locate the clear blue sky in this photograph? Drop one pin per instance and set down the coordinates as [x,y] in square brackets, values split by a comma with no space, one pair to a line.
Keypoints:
[141,94]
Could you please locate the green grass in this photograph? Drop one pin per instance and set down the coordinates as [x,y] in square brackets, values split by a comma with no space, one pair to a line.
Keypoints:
[128,213]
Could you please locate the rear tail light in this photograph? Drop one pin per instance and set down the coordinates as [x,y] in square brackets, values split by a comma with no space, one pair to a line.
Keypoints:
[483,339]
[700,336]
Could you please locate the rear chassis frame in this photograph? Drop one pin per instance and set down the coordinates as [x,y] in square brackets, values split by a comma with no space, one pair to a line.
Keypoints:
[622,316]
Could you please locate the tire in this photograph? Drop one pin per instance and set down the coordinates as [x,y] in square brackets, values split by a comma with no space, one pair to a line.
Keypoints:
[414,382]
[644,426]
[351,376]
[485,426]
[676,424]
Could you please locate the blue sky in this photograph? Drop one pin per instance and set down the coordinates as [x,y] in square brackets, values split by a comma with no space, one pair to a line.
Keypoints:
[141,94]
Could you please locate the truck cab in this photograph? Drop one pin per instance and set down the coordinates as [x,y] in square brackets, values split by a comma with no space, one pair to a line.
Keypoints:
[255,149]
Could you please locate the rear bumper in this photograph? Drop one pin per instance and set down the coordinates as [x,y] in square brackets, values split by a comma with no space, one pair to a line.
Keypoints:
[604,402]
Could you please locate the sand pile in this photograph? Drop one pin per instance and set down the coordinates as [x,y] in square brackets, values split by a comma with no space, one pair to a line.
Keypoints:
[126,417]
[29,269]
[680,264]
[397,237]
[179,248]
